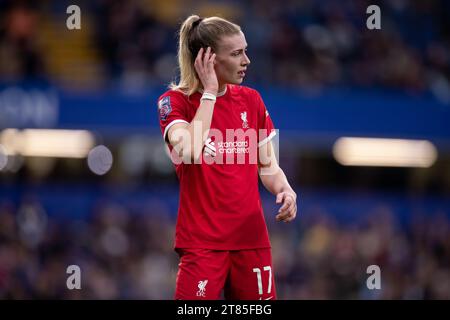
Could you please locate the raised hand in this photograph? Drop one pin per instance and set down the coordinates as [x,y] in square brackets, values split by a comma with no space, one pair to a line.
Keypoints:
[204,65]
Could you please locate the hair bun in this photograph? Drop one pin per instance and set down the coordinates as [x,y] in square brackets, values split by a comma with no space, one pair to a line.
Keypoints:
[196,23]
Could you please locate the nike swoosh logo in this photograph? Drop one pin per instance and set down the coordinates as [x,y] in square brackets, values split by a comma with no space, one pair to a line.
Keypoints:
[266,298]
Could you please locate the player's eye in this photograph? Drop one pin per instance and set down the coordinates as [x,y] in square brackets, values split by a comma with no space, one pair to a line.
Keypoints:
[237,53]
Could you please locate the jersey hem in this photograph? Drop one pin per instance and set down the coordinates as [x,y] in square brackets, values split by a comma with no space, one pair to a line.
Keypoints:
[221,248]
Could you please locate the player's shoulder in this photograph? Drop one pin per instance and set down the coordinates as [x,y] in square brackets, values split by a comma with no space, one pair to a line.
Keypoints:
[174,94]
[172,99]
[244,90]
[251,96]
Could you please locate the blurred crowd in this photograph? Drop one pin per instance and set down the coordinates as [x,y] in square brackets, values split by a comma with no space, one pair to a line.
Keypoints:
[126,252]
[128,255]
[307,45]
[328,260]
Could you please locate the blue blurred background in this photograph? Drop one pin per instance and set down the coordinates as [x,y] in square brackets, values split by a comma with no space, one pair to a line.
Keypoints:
[85,178]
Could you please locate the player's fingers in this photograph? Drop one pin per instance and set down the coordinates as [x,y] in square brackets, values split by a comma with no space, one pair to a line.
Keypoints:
[206,57]
[287,210]
[283,207]
[199,56]
[287,203]
[292,214]
[288,216]
[280,197]
[283,215]
[211,62]
[198,61]
[211,59]
[289,219]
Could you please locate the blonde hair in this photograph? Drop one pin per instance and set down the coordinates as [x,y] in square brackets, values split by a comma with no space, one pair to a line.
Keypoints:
[195,33]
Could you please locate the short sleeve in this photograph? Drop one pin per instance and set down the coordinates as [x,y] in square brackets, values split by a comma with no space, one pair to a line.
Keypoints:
[171,110]
[266,129]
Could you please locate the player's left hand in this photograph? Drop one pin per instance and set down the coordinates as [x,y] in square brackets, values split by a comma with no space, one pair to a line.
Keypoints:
[288,210]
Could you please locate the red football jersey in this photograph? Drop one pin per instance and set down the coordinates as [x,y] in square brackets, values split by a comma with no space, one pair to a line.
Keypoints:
[219,204]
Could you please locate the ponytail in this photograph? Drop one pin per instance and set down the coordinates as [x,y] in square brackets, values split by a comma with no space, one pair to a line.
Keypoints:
[195,33]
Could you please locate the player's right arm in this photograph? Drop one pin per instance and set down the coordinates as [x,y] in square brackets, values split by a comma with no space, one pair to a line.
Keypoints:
[186,138]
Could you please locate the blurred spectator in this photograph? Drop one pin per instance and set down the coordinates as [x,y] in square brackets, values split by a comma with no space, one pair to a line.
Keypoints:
[125,252]
[20,56]
[128,255]
[308,45]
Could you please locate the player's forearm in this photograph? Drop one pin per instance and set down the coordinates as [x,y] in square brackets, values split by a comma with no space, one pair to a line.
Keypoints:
[199,128]
[276,182]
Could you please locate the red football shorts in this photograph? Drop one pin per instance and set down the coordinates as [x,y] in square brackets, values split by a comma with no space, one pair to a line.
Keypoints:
[241,274]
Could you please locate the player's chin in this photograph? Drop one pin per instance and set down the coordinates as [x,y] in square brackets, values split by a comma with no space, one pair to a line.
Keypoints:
[238,80]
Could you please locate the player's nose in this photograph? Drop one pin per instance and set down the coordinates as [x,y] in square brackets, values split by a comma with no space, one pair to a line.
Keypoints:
[246,61]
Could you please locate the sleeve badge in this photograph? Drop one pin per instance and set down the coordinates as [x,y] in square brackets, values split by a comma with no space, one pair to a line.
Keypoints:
[164,108]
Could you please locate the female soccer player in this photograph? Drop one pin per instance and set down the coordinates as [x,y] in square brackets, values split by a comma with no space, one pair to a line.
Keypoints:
[219,135]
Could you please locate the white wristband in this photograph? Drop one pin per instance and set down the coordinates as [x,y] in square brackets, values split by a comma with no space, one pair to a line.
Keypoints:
[208,96]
